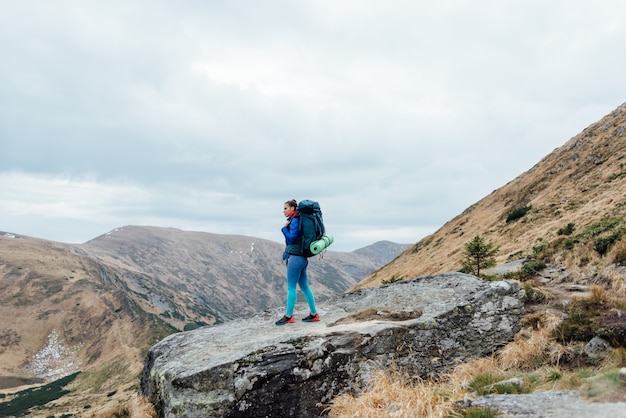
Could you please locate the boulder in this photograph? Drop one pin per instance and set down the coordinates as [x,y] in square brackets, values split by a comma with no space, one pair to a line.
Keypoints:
[253,368]
[597,348]
[550,403]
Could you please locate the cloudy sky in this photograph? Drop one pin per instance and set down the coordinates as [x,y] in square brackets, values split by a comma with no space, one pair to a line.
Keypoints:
[395,115]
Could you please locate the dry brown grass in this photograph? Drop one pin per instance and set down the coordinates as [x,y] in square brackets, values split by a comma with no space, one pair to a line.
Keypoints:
[615,286]
[589,194]
[532,348]
[136,407]
[534,355]
[393,394]
[577,191]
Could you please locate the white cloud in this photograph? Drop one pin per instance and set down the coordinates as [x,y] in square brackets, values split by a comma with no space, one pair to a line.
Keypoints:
[207,116]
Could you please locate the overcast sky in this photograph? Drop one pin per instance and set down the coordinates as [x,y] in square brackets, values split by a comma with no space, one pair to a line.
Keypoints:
[208,115]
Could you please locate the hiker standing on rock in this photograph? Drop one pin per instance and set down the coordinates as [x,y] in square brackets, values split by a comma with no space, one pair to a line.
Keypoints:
[296,266]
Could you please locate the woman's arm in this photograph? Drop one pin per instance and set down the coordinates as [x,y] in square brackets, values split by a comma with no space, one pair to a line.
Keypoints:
[292,232]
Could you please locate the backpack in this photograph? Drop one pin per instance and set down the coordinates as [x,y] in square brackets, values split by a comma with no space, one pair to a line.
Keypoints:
[312,227]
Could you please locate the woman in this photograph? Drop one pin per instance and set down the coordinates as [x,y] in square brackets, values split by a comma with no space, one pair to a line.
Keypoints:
[296,266]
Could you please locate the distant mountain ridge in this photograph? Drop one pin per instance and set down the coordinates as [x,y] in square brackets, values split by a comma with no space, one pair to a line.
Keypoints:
[226,276]
[382,252]
[100,305]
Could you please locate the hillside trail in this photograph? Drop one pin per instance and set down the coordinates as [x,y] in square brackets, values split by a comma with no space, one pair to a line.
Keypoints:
[563,289]
[560,286]
[560,289]
[557,286]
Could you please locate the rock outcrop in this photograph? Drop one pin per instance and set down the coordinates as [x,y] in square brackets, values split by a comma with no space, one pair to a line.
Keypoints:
[252,368]
[551,403]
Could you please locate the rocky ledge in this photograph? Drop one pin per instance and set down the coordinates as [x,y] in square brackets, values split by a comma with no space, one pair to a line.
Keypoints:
[252,368]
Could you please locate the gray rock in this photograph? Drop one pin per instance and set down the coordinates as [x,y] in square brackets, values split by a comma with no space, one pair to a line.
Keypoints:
[515,381]
[576,288]
[510,267]
[552,403]
[597,348]
[252,368]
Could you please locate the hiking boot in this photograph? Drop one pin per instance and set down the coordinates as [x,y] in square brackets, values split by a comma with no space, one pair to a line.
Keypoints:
[312,318]
[286,320]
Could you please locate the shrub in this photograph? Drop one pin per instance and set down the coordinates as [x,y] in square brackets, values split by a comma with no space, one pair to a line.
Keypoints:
[534,294]
[539,249]
[480,413]
[581,323]
[483,380]
[602,245]
[599,227]
[492,277]
[569,244]
[553,375]
[393,279]
[530,269]
[518,213]
[487,383]
[567,229]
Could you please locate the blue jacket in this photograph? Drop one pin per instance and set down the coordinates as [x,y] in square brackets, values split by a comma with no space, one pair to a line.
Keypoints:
[293,237]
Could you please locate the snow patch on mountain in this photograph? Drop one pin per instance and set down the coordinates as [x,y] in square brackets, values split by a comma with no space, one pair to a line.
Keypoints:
[55,360]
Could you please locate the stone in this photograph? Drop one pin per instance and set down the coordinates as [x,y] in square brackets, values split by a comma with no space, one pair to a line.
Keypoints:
[509,267]
[597,348]
[251,367]
[550,403]
[515,381]
[577,288]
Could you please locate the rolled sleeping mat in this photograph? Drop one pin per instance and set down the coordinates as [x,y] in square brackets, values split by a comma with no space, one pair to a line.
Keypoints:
[328,239]
[320,245]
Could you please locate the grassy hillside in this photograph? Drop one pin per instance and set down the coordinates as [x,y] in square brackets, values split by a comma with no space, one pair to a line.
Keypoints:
[63,313]
[567,215]
[573,200]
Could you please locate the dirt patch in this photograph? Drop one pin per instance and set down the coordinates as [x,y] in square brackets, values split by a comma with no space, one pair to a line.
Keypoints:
[7,382]
[378,314]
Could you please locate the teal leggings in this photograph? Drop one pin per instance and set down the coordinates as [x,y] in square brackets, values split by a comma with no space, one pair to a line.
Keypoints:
[296,275]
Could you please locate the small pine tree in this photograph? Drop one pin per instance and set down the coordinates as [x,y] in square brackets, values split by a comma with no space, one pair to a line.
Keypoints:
[478,255]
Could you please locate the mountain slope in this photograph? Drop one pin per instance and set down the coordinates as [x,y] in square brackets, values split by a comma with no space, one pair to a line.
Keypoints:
[97,307]
[581,183]
[223,276]
[62,312]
